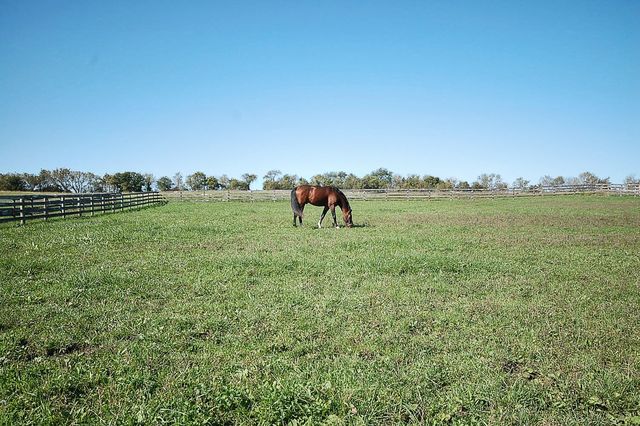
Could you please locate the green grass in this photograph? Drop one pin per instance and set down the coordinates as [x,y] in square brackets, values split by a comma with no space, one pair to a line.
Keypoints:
[506,311]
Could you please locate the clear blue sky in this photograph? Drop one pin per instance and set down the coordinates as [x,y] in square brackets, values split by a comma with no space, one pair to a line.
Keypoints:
[449,88]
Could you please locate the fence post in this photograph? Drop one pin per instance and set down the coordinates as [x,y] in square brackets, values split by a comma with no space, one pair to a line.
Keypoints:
[92,204]
[79,205]
[46,207]
[21,211]
[63,202]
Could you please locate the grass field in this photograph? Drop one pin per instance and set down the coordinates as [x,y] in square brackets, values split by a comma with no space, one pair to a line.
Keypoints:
[506,311]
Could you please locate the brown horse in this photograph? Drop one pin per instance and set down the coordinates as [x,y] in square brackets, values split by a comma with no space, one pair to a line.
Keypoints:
[327,196]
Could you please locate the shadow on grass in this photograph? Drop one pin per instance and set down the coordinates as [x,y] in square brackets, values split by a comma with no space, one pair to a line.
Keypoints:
[360,225]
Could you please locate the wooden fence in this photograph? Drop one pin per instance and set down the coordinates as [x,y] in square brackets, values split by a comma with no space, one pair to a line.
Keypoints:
[408,194]
[29,207]
[42,206]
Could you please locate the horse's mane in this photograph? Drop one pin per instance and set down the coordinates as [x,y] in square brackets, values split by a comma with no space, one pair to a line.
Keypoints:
[343,198]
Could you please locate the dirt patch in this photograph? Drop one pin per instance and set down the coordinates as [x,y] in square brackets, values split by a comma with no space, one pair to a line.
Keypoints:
[69,349]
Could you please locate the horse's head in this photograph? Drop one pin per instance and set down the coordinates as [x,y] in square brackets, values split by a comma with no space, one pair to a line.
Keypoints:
[348,219]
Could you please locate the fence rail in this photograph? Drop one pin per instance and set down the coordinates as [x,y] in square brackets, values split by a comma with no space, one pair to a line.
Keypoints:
[30,207]
[408,194]
[40,206]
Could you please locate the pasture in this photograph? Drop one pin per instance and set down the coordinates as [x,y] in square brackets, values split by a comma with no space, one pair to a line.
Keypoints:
[505,311]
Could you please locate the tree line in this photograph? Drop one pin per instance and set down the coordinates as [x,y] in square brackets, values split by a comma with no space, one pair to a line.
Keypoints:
[66,180]
[385,179]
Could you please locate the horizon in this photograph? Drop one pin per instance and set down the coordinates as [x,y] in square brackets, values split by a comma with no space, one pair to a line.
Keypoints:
[258,183]
[442,89]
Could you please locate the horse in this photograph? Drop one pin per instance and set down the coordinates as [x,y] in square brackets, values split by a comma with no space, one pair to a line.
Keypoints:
[327,196]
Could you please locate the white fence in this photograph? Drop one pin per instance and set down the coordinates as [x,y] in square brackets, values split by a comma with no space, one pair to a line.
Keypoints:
[408,194]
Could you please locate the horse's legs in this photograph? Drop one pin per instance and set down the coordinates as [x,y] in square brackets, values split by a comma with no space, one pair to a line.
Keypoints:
[333,213]
[299,217]
[326,209]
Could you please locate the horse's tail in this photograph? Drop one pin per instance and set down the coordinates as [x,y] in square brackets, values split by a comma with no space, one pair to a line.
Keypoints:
[295,206]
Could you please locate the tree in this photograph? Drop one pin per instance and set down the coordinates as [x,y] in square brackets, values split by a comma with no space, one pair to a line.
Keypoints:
[238,184]
[412,181]
[80,182]
[197,181]
[67,180]
[377,179]
[521,183]
[352,182]
[61,178]
[109,183]
[33,182]
[430,181]
[249,179]
[491,181]
[11,182]
[484,181]
[321,180]
[178,182]
[223,182]
[337,179]
[148,182]
[212,183]
[571,180]
[545,180]
[164,183]
[288,182]
[630,182]
[447,184]
[451,182]
[274,180]
[270,180]
[128,181]
[397,181]
[46,182]
[303,181]
[588,178]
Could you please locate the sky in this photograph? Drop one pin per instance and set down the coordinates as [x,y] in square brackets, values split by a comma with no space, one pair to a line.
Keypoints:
[446,88]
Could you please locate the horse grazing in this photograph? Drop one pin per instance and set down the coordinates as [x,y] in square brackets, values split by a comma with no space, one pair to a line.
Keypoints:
[327,196]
